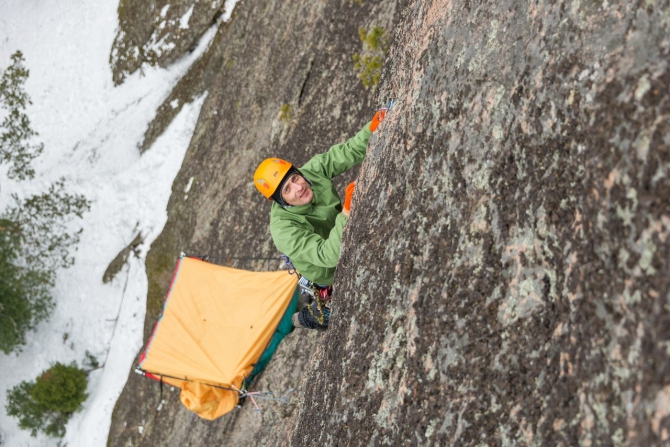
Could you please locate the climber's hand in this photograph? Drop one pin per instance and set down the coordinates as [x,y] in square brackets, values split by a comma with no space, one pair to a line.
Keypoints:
[378,118]
[348,194]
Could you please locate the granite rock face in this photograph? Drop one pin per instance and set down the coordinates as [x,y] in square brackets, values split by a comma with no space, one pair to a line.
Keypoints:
[505,273]
[504,276]
[280,81]
[158,32]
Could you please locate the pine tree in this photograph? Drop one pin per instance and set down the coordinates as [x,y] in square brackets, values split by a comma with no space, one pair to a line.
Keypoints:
[35,238]
[15,130]
[46,404]
[34,241]
[25,299]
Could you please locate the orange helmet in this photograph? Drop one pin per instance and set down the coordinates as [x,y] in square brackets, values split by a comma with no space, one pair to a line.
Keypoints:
[269,175]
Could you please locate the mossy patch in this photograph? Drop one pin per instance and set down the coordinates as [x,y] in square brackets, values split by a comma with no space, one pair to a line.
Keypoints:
[286,113]
[121,259]
[160,264]
[368,64]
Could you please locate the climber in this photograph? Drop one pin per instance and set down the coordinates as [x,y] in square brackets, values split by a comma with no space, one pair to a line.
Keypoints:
[307,216]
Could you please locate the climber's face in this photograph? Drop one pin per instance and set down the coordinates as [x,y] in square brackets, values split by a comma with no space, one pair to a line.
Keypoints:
[296,191]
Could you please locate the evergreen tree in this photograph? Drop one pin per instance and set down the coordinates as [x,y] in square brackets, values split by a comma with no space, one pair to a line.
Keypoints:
[15,131]
[46,404]
[34,241]
[25,299]
[47,241]
[35,235]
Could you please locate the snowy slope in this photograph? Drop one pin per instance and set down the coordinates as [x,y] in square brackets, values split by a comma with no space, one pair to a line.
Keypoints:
[91,130]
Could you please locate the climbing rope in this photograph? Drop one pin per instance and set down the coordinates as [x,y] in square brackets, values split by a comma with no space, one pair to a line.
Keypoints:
[243,393]
[322,297]
[263,395]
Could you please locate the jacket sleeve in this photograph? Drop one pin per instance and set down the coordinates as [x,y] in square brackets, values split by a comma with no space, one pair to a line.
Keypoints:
[341,157]
[301,244]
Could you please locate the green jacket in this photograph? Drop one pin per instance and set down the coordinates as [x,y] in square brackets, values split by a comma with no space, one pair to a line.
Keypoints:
[310,235]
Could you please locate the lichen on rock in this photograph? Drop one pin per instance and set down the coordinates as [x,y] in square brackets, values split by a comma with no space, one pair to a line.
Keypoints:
[506,188]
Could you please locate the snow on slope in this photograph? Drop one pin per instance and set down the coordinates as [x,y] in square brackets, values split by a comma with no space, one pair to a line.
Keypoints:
[91,130]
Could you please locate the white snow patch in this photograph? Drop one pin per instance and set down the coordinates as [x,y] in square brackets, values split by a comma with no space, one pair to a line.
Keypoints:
[188,187]
[161,46]
[91,131]
[183,21]
[164,10]
[228,7]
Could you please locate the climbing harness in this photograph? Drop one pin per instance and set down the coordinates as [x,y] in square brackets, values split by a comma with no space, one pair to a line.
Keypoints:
[320,295]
